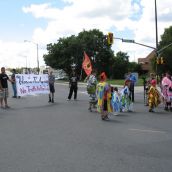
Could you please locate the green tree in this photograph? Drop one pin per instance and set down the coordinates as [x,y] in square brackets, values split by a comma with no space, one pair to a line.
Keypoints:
[68,51]
[134,67]
[120,65]
[166,39]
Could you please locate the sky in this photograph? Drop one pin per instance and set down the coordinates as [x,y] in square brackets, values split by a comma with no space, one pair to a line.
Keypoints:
[24,24]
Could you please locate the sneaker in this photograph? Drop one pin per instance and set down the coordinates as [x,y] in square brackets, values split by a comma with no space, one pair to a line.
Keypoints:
[151,110]
[7,107]
[166,108]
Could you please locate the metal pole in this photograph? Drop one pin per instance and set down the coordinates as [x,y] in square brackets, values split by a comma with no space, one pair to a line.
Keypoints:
[156,31]
[156,26]
[37,58]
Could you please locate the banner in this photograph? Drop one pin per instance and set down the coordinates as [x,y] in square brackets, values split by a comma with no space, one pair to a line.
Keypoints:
[30,84]
[86,65]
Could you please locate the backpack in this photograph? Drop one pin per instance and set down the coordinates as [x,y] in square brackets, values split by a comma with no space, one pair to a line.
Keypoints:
[91,89]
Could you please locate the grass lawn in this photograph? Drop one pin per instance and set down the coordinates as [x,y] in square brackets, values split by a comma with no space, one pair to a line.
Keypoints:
[121,82]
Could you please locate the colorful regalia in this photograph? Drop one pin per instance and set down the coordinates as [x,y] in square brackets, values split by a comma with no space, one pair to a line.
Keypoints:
[103,91]
[167,92]
[125,100]
[154,98]
[116,102]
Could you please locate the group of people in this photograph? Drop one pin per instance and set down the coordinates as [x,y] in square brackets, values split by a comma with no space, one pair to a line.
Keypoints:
[155,96]
[106,98]
[103,97]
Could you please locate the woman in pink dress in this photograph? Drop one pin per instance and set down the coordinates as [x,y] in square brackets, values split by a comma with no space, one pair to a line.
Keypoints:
[167,91]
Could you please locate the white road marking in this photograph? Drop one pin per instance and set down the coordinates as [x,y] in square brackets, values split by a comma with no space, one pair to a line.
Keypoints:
[141,130]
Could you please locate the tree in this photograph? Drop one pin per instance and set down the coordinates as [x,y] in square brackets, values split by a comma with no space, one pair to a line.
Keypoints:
[120,65]
[70,50]
[135,67]
[166,39]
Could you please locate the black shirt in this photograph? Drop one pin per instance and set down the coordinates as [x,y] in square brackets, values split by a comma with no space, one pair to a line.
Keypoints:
[3,79]
[73,80]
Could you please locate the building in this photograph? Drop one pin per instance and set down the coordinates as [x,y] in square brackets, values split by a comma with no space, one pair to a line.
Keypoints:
[146,62]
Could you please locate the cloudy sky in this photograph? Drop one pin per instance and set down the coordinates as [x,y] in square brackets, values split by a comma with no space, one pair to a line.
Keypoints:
[44,21]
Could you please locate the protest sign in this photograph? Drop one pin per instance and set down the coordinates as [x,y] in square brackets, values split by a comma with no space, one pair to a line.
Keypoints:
[30,84]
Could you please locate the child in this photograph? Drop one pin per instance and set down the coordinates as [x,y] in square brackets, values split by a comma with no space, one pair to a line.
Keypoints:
[125,99]
[116,101]
[153,96]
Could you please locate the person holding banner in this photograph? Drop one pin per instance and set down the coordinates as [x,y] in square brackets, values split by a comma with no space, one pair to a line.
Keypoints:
[14,83]
[51,79]
[4,93]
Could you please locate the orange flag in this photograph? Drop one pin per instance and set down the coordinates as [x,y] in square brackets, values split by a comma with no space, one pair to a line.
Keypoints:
[86,64]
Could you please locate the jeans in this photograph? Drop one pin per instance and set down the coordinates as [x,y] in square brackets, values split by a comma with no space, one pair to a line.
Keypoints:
[14,89]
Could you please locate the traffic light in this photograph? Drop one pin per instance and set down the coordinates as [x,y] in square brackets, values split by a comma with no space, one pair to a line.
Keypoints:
[158,60]
[162,60]
[110,38]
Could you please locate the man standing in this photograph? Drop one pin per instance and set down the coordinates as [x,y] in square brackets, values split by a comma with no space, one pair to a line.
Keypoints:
[3,80]
[51,79]
[14,83]
[132,79]
[73,85]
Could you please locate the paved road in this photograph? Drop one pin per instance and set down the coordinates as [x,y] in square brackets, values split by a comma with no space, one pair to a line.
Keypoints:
[36,136]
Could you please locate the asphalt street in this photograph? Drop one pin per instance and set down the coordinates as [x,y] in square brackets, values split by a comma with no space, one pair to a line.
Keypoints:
[37,136]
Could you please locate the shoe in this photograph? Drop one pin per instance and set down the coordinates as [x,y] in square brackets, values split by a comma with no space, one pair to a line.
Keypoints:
[166,108]
[171,109]
[75,99]
[68,99]
[52,101]
[7,107]
[49,101]
[14,97]
[151,110]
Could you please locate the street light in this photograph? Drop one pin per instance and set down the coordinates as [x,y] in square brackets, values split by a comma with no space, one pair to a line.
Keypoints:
[37,54]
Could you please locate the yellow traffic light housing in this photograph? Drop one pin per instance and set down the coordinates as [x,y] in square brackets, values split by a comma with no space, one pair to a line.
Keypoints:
[158,60]
[110,38]
[162,60]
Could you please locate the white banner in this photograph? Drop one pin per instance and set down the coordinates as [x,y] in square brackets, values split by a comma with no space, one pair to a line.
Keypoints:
[30,84]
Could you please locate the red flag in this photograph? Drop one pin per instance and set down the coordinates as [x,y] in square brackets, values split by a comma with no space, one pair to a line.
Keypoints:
[86,64]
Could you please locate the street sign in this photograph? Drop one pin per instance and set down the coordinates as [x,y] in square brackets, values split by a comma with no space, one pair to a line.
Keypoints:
[128,40]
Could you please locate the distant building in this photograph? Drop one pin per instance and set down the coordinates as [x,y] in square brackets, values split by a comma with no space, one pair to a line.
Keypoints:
[59,74]
[146,62]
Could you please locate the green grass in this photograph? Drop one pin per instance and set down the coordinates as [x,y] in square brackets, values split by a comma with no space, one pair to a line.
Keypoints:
[121,82]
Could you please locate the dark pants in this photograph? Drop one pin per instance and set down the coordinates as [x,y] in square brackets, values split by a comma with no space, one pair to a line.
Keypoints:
[131,95]
[73,89]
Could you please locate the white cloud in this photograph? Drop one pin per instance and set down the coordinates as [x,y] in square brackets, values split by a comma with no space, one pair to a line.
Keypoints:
[104,15]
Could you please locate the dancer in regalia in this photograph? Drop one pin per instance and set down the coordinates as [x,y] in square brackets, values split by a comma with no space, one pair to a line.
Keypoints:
[103,97]
[154,97]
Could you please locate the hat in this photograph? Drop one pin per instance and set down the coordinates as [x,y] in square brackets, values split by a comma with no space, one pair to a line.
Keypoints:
[153,82]
[103,76]
[127,81]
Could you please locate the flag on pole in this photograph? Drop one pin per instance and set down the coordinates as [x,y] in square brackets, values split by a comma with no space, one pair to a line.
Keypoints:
[86,64]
